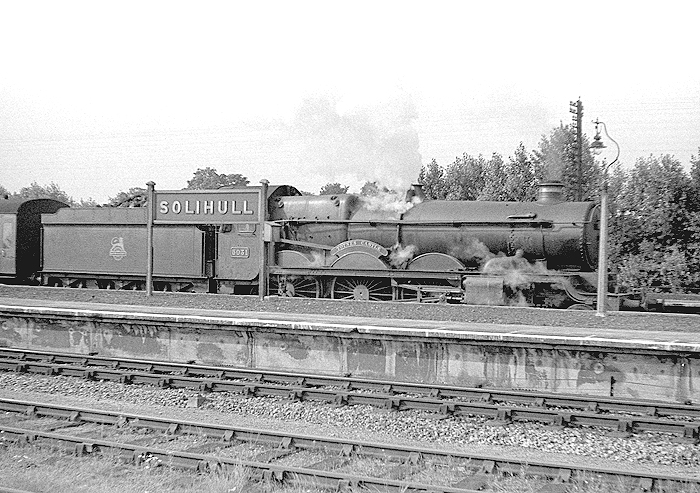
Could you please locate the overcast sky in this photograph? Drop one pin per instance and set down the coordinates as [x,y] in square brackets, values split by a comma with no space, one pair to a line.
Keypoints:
[98,97]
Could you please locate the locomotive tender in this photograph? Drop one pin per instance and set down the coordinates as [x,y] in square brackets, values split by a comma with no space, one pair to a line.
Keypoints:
[540,253]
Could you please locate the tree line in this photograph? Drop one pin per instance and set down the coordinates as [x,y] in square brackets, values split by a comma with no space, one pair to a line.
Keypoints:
[654,224]
[654,205]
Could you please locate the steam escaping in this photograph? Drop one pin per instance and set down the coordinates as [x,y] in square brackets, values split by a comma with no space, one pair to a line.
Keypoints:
[503,264]
[472,251]
[373,142]
[400,256]
[516,270]
[391,203]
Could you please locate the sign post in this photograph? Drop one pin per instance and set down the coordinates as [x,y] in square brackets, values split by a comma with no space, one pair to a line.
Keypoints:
[244,209]
[262,208]
[149,232]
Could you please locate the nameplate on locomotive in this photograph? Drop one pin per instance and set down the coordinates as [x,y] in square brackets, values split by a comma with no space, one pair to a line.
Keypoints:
[365,246]
[206,206]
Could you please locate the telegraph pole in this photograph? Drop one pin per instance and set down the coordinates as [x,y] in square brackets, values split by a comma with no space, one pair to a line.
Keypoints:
[576,107]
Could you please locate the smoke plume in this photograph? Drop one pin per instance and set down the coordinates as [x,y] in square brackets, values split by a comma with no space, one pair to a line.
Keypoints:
[373,142]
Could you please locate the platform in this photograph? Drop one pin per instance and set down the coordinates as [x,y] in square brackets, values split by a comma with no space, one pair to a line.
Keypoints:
[630,363]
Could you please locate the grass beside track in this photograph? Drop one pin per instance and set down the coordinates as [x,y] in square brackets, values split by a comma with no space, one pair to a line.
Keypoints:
[41,470]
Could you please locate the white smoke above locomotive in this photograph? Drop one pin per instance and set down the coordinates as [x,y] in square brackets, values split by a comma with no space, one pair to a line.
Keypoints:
[353,143]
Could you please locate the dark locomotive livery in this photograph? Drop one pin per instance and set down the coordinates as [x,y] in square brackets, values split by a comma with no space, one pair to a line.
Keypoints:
[540,253]
[430,250]
[20,241]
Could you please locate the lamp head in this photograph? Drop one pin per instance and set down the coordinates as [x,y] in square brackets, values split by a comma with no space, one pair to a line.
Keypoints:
[597,145]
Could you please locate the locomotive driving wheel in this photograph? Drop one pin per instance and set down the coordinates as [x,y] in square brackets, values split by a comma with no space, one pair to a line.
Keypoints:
[295,286]
[361,289]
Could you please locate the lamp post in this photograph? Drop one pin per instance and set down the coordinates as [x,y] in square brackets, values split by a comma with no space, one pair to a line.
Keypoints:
[597,147]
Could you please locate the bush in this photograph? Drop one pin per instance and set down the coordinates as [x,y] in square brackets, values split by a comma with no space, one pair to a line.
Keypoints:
[657,270]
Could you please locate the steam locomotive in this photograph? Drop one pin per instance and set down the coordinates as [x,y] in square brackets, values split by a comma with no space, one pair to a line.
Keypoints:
[274,240]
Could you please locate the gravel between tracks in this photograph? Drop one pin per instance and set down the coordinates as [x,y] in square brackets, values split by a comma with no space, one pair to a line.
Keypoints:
[574,446]
[577,446]
[380,310]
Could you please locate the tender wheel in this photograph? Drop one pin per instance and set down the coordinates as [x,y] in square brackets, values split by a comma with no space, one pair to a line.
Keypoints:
[295,286]
[361,289]
[106,284]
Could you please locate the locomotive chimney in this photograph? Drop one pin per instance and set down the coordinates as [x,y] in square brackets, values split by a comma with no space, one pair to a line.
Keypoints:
[550,192]
[415,193]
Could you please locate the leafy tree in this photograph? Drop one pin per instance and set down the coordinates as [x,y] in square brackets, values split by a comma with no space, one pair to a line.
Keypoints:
[557,160]
[695,179]
[656,199]
[89,202]
[655,207]
[475,178]
[134,197]
[694,226]
[370,189]
[495,178]
[465,178]
[4,192]
[654,227]
[209,179]
[50,191]
[432,177]
[333,189]
[523,175]
[695,168]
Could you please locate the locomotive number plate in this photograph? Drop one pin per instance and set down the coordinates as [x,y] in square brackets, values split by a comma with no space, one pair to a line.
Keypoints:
[240,252]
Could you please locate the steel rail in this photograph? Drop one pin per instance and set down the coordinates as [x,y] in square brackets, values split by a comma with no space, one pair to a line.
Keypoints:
[529,398]
[480,463]
[205,463]
[622,425]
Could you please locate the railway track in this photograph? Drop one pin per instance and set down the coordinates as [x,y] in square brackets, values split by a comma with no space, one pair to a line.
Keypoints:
[267,454]
[622,417]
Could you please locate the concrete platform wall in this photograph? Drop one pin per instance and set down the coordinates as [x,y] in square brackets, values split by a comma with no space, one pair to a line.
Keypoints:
[373,352]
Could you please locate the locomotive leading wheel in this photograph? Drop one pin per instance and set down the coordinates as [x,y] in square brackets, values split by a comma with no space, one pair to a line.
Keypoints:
[295,286]
[361,289]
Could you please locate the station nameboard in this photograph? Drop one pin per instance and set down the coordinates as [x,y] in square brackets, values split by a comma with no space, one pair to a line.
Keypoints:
[207,206]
